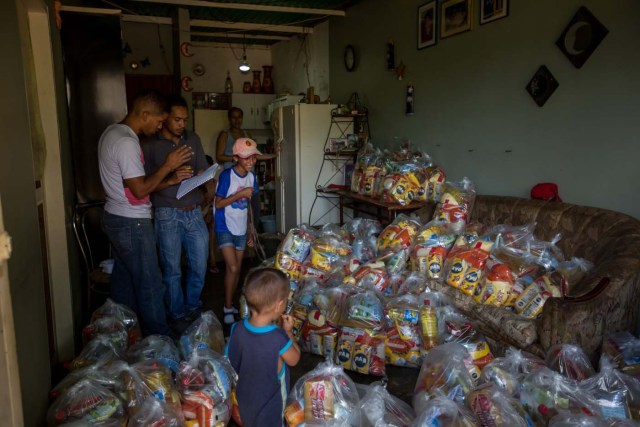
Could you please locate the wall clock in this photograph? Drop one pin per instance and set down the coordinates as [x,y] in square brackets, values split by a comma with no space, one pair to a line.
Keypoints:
[349,58]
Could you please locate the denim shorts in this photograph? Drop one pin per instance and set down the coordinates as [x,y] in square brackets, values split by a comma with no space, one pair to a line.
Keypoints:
[227,239]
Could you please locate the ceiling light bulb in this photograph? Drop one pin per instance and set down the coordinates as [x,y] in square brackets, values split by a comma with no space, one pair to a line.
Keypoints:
[244,65]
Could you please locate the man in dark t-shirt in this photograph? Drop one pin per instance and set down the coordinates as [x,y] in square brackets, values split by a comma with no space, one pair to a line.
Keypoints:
[179,223]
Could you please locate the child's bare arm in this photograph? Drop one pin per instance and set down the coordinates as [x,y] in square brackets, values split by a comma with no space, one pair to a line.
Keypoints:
[245,193]
[292,356]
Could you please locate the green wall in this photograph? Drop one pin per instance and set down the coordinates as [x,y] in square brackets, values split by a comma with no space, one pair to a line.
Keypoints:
[472,113]
[17,186]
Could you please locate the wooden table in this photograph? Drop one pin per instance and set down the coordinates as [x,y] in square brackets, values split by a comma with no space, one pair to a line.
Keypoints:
[382,211]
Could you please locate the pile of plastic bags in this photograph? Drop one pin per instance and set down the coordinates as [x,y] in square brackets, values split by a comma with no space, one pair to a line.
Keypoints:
[121,379]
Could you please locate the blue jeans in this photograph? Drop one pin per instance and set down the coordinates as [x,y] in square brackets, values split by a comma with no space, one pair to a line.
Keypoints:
[176,229]
[136,281]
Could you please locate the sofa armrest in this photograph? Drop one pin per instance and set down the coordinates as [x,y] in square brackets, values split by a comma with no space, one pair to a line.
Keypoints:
[593,293]
[611,305]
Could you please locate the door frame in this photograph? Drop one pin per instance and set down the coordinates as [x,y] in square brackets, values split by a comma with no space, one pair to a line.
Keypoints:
[10,394]
[51,195]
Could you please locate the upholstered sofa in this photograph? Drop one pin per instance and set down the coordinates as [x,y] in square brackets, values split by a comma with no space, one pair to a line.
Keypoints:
[607,300]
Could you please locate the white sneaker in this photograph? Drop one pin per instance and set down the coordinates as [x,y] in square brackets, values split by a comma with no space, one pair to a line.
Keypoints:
[229,315]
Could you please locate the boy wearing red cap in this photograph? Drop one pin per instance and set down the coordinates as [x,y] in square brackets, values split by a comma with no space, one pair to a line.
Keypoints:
[236,185]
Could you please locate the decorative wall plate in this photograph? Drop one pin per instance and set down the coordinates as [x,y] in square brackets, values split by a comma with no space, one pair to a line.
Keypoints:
[198,70]
[542,85]
[581,37]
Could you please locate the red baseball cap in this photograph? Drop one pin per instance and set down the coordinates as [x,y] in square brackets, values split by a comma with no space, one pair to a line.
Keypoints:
[245,147]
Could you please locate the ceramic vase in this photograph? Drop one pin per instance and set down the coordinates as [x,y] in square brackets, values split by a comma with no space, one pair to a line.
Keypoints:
[267,83]
[246,87]
[257,88]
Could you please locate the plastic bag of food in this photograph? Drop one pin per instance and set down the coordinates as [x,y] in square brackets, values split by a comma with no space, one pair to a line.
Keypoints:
[110,327]
[400,188]
[199,407]
[297,244]
[512,236]
[504,270]
[455,204]
[445,371]
[158,382]
[85,401]
[363,309]
[571,361]
[331,301]
[361,350]
[378,408]
[509,371]
[544,393]
[431,184]
[206,367]
[154,412]
[394,260]
[466,260]
[133,391]
[624,350]
[617,394]
[493,407]
[370,182]
[318,336]
[372,276]
[404,338]
[155,347]
[103,373]
[323,396]
[204,332]
[362,227]
[365,249]
[432,244]
[399,234]
[460,330]
[442,411]
[122,313]
[101,349]
[329,253]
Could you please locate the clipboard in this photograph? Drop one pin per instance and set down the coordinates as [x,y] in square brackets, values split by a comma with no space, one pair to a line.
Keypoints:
[194,182]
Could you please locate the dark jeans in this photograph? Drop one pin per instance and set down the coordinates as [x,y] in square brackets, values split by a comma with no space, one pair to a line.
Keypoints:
[175,230]
[136,280]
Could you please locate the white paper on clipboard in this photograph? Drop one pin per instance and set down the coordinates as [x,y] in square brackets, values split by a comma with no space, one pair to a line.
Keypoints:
[192,183]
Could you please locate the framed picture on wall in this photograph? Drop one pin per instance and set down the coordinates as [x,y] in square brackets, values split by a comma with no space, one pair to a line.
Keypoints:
[491,10]
[456,16]
[427,25]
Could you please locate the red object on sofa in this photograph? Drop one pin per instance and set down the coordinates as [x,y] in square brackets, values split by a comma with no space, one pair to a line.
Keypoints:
[546,191]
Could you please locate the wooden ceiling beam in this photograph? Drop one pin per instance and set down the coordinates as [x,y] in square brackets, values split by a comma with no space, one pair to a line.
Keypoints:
[238,35]
[250,26]
[249,6]
[90,10]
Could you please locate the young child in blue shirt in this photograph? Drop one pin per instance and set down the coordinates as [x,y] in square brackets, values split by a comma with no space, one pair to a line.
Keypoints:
[236,186]
[260,351]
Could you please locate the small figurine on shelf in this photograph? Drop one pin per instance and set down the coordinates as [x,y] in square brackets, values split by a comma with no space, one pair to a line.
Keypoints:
[228,84]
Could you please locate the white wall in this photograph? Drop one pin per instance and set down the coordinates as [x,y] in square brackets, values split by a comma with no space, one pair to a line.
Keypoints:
[219,59]
[292,58]
[148,40]
[473,113]
[155,41]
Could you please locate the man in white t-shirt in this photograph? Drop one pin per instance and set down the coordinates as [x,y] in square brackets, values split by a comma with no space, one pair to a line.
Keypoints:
[136,280]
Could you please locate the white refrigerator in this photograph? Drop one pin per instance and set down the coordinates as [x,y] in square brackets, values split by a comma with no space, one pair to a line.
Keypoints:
[301,131]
